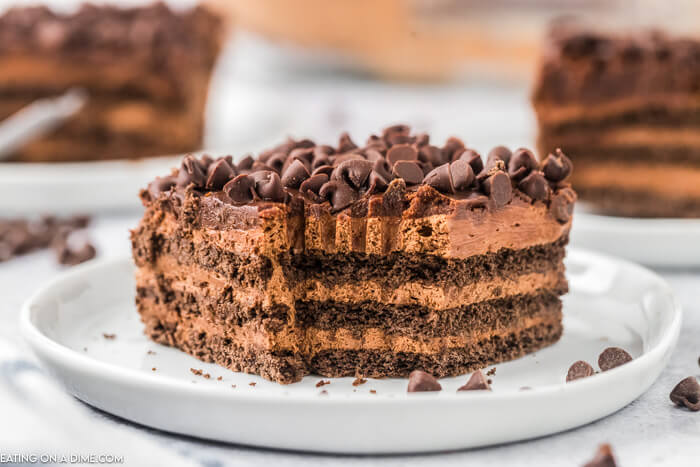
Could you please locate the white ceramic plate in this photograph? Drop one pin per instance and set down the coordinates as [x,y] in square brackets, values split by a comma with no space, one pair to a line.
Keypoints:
[654,242]
[611,303]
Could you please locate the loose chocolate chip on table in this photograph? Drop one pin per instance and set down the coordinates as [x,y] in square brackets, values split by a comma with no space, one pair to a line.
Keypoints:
[240,189]
[603,457]
[535,186]
[401,152]
[295,174]
[556,167]
[477,382]
[522,162]
[498,187]
[579,370]
[420,381]
[612,357]
[410,171]
[218,174]
[339,193]
[687,393]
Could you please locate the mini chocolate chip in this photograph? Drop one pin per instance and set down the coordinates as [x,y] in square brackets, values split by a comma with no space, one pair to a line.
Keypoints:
[399,129]
[245,164]
[401,152]
[240,189]
[557,167]
[499,153]
[420,381]
[321,162]
[603,457]
[160,184]
[205,161]
[345,143]
[191,172]
[426,167]
[268,185]
[218,174]
[452,146]
[498,187]
[276,161]
[373,155]
[323,169]
[339,193]
[687,393]
[348,156]
[323,150]
[259,166]
[306,155]
[535,186]
[431,154]
[408,170]
[377,183]
[521,163]
[314,183]
[394,139]
[477,382]
[440,178]
[462,175]
[562,205]
[382,167]
[612,357]
[473,158]
[422,139]
[353,172]
[579,370]
[294,174]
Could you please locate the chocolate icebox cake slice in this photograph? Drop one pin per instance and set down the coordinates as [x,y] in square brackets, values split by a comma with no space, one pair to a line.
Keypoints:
[626,108]
[370,261]
[145,72]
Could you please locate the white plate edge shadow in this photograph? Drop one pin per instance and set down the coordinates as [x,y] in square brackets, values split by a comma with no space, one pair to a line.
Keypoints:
[70,366]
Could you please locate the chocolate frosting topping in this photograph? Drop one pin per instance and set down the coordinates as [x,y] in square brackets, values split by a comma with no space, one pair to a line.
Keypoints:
[349,174]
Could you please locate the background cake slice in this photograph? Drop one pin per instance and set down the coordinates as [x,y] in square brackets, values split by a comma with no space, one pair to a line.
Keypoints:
[348,261]
[145,71]
[626,108]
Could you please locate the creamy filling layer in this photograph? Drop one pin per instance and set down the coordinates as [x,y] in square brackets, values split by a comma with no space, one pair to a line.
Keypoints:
[668,180]
[310,341]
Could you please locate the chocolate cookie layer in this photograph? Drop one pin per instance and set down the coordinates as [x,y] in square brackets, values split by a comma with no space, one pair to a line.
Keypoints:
[345,261]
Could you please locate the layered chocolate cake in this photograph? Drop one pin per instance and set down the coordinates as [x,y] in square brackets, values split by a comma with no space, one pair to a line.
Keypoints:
[366,261]
[626,107]
[145,72]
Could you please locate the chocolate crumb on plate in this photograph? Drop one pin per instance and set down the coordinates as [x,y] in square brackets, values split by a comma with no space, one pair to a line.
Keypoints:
[603,457]
[420,381]
[206,375]
[322,383]
[219,378]
[491,372]
[578,370]
[109,336]
[151,352]
[252,383]
[233,386]
[153,369]
[323,393]
[477,382]
[372,391]
[359,381]
[687,393]
[196,371]
[612,357]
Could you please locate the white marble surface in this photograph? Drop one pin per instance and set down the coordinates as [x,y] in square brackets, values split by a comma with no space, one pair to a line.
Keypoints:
[650,431]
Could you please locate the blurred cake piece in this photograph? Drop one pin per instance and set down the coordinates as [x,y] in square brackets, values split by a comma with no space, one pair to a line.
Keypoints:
[145,70]
[626,108]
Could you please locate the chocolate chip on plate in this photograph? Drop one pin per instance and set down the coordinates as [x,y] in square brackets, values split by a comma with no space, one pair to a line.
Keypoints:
[687,393]
[420,381]
[612,357]
[603,457]
[579,370]
[477,382]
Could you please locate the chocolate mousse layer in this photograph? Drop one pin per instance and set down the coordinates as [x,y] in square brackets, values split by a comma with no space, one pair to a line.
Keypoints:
[145,71]
[627,108]
[356,261]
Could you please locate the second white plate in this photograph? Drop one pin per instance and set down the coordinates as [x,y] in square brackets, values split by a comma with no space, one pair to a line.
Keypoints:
[611,303]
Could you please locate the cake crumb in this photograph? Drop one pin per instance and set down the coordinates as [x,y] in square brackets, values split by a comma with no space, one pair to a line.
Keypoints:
[153,369]
[219,378]
[372,391]
[233,386]
[359,381]
[206,376]
[322,383]
[109,336]
[490,381]
[323,393]
[151,352]
[252,384]
[491,372]
[196,372]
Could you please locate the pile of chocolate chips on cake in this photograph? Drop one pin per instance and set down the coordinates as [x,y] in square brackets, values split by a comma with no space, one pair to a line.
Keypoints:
[344,174]
[63,236]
